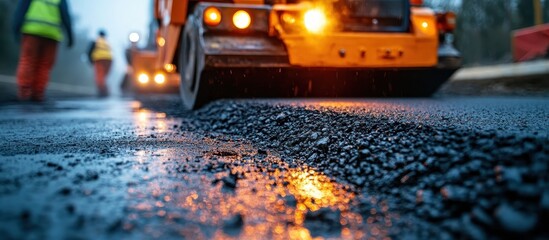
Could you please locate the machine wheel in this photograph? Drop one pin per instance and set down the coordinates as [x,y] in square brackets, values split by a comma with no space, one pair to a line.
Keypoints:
[191,66]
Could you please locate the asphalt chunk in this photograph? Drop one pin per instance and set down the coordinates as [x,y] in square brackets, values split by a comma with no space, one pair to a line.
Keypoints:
[514,220]
[65,191]
[322,220]
[233,225]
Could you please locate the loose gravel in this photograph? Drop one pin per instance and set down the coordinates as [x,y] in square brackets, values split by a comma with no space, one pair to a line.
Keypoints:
[444,180]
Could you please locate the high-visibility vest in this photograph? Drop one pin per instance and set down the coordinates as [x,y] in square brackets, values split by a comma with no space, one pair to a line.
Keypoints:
[43,19]
[102,50]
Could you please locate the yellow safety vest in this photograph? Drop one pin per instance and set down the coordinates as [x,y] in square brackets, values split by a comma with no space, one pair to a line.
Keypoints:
[44,19]
[102,50]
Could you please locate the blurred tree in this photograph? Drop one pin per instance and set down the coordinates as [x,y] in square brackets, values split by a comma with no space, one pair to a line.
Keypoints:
[8,47]
[525,14]
[546,11]
[483,33]
[452,5]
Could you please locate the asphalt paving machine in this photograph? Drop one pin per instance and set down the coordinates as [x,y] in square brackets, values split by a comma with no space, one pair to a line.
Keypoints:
[292,48]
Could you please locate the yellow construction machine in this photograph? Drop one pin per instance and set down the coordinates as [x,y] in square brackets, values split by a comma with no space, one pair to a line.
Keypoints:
[143,76]
[284,48]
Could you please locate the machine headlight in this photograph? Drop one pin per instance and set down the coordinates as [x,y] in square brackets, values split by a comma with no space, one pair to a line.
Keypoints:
[242,19]
[315,20]
[161,41]
[143,78]
[159,78]
[288,18]
[212,16]
[134,37]
[170,68]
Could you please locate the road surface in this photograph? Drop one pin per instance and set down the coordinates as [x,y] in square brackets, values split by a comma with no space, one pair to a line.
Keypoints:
[8,89]
[436,168]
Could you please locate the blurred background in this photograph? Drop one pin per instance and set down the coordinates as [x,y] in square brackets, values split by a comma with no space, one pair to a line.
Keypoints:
[484,27]
[119,18]
[483,34]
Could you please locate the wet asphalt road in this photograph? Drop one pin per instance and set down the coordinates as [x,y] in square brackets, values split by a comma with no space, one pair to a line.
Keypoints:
[288,169]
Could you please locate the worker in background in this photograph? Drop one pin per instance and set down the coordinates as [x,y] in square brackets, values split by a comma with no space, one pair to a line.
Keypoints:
[101,56]
[41,24]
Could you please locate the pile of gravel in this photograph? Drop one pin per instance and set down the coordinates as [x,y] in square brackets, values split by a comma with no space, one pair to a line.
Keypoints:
[466,183]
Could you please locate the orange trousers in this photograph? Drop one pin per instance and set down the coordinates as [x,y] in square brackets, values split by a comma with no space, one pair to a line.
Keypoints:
[35,64]
[102,69]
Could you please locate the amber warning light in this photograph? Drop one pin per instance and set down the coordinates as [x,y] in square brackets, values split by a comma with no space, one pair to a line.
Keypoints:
[315,20]
[212,16]
[446,22]
[242,19]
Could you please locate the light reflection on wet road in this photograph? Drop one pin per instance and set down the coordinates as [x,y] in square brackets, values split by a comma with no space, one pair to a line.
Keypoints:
[121,170]
[244,196]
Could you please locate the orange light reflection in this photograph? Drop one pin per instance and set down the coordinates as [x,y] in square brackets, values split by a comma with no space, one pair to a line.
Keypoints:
[148,122]
[263,198]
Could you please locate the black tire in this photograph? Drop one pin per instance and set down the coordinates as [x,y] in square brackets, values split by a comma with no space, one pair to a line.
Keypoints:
[191,65]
